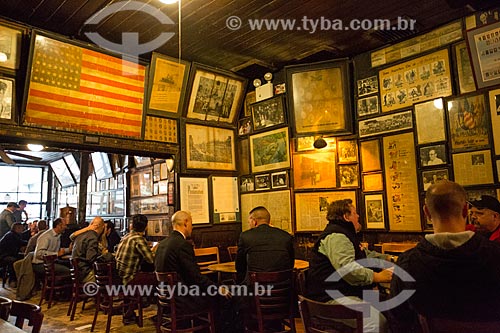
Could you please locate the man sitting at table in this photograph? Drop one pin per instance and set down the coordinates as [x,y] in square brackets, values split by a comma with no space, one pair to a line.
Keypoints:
[10,245]
[86,249]
[263,248]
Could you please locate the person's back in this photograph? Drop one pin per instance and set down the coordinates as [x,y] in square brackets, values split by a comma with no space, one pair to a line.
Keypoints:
[86,249]
[7,218]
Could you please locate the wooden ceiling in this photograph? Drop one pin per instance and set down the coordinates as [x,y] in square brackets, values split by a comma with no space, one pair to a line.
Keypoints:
[206,39]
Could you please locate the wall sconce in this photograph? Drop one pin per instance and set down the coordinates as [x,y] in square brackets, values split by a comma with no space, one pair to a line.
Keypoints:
[170,162]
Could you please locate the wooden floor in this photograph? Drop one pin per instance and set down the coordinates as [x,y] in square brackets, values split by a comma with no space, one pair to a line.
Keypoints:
[56,321]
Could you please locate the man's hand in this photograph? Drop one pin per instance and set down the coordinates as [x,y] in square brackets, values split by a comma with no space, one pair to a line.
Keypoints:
[383,276]
[61,252]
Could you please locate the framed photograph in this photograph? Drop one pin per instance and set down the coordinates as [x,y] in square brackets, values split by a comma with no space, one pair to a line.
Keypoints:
[473,168]
[247,184]
[214,94]
[464,69]
[373,182]
[314,170]
[468,121]
[430,131]
[209,148]
[244,126]
[386,124]
[433,155]
[368,86]
[270,150]
[268,113]
[348,151]
[494,96]
[482,41]
[7,99]
[10,46]
[348,175]
[194,198]
[262,182]
[279,179]
[319,98]
[168,79]
[226,205]
[433,176]
[368,105]
[250,98]
[374,207]
[473,195]
[370,156]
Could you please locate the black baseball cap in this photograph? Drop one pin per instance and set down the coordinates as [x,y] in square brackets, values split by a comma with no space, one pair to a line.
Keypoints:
[487,201]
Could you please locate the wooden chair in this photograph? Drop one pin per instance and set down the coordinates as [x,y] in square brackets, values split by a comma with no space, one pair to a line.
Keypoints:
[4,266]
[5,306]
[273,310]
[397,247]
[440,325]
[206,256]
[52,282]
[31,312]
[77,293]
[321,317]
[232,250]
[200,320]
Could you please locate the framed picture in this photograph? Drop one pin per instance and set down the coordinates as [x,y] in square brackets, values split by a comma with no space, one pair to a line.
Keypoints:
[156,172]
[226,208]
[214,94]
[370,156]
[433,177]
[160,129]
[373,182]
[473,195]
[171,193]
[268,113]
[168,79]
[433,155]
[194,198]
[209,148]
[270,150]
[141,161]
[306,143]
[468,121]
[482,41]
[281,211]
[314,170]
[348,151]
[374,207]
[10,46]
[430,131]
[244,156]
[250,98]
[319,98]
[367,86]
[494,97]
[244,126]
[247,184]
[163,187]
[368,105]
[141,183]
[348,175]
[279,179]
[7,99]
[386,124]
[263,182]
[464,69]
[473,168]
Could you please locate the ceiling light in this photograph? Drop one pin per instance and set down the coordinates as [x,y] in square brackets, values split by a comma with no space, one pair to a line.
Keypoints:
[35,147]
[169,2]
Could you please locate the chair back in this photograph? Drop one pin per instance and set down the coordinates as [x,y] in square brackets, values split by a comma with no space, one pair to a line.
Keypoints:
[5,306]
[441,325]
[206,256]
[75,272]
[104,274]
[31,312]
[49,261]
[300,282]
[232,250]
[321,317]
[397,248]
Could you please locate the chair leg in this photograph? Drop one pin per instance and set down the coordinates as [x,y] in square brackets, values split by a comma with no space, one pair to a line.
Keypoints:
[108,324]
[212,321]
[44,290]
[73,309]
[71,303]
[139,321]
[97,305]
[159,317]
[51,297]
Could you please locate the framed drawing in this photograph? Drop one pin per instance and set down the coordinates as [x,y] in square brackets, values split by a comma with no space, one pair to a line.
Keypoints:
[263,182]
[433,177]
[468,123]
[374,207]
[370,156]
[279,179]
[373,182]
[464,69]
[167,85]
[250,98]
[430,131]
[209,148]
[386,124]
[10,46]
[473,168]
[270,150]
[7,99]
[494,96]
[433,155]
[194,198]
[368,86]
[368,105]
[348,175]
[482,41]
[214,94]
[268,113]
[348,151]
[247,184]
[319,98]
[314,170]
[244,126]
[226,206]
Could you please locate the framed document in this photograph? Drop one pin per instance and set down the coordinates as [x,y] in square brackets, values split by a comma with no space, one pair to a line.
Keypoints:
[277,202]
[473,168]
[225,199]
[270,150]
[373,182]
[374,207]
[430,131]
[194,198]
[464,69]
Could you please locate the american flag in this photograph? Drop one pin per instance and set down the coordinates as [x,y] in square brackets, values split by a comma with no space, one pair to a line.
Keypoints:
[77,89]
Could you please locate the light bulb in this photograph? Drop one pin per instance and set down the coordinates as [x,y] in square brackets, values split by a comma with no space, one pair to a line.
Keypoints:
[257,83]
[268,77]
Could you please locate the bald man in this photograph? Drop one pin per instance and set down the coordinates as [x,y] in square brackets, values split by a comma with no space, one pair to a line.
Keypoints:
[86,249]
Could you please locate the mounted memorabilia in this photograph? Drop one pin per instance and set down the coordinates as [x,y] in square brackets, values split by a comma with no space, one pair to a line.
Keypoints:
[314,170]
[278,203]
[250,98]
[368,106]
[386,124]
[270,150]
[473,168]
[433,155]
[367,86]
[430,131]
[494,96]
[268,113]
[244,156]
[279,179]
[10,46]
[225,199]
[7,100]
[373,182]
[244,126]
[370,156]
[194,198]
[374,207]
[348,151]
[161,129]
[263,182]
[433,177]
[348,175]
[247,184]
[464,69]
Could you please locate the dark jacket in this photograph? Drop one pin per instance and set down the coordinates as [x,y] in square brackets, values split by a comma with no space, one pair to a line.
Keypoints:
[113,240]
[86,250]
[10,244]
[264,249]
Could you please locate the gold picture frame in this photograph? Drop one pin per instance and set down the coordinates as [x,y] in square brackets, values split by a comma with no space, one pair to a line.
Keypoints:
[270,150]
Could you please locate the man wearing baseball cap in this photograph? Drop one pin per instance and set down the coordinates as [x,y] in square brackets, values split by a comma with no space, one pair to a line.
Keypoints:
[485,215]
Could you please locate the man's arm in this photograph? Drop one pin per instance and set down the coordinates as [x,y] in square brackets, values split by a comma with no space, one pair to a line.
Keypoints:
[145,251]
[42,246]
[190,267]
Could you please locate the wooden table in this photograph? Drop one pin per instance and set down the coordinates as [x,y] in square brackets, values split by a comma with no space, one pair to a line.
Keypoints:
[230,267]
[6,327]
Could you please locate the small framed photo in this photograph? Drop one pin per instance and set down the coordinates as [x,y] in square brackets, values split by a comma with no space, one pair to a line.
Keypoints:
[246,184]
[10,45]
[368,86]
[348,175]
[7,100]
[279,179]
[368,106]
[374,207]
[433,177]
[348,151]
[433,155]
[244,126]
[268,113]
[262,182]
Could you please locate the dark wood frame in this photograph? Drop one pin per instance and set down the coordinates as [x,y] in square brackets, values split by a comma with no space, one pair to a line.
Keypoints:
[273,108]
[17,35]
[13,109]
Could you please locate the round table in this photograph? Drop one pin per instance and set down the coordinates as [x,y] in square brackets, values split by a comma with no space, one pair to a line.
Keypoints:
[230,267]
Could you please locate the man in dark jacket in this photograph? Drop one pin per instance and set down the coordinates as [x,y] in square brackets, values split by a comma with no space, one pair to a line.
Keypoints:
[7,218]
[111,236]
[10,245]
[86,249]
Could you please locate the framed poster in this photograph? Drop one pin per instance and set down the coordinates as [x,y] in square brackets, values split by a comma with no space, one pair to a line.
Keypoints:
[268,113]
[348,175]
[370,156]
[319,98]
[225,199]
[167,85]
[314,170]
[368,105]
[270,150]
[214,94]
[279,179]
[348,151]
[386,124]
[278,203]
[367,86]
[483,45]
[473,168]
[468,123]
[433,155]
[373,182]
[494,96]
[7,99]
[10,46]
[194,198]
[209,148]
[374,207]
[464,69]
[430,131]
[433,177]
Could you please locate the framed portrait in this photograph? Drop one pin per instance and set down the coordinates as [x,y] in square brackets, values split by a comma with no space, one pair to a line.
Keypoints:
[367,86]
[194,198]
[268,113]
[433,176]
[262,182]
[10,45]
[279,179]
[464,69]
[386,124]
[250,98]
[373,182]
[168,79]
[494,97]
[349,175]
[473,168]
[368,105]
[226,205]
[348,151]
[209,148]
[319,98]
[374,207]
[247,184]
[7,100]
[468,121]
[370,156]
[215,94]
[270,150]
[314,170]
[430,131]
[433,155]
[482,41]
[244,126]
